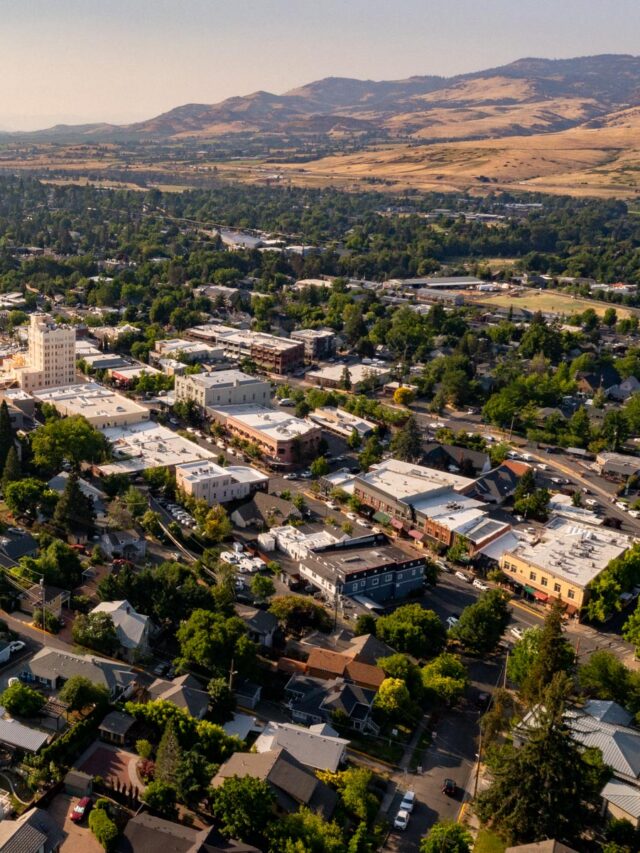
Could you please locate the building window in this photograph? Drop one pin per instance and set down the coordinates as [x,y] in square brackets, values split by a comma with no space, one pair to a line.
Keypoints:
[570,593]
[544,581]
[556,587]
[399,576]
[375,581]
[532,576]
[388,578]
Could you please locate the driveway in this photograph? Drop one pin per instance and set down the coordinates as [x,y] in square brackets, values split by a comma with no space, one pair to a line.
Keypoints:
[79,836]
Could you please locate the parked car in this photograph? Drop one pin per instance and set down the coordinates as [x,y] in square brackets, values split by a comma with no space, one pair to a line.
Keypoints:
[451,621]
[332,505]
[517,632]
[443,566]
[463,577]
[16,646]
[352,516]
[480,584]
[402,819]
[80,810]
[408,802]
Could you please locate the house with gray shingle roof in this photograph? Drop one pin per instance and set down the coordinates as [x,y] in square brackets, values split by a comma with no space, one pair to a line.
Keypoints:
[52,667]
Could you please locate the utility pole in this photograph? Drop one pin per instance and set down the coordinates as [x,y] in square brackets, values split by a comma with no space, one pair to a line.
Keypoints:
[232,672]
[44,600]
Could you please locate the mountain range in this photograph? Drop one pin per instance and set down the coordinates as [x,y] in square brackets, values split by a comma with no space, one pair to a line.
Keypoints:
[529,96]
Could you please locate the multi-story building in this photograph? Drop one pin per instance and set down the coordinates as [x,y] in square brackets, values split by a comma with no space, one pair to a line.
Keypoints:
[341,422]
[101,406]
[318,343]
[367,566]
[271,353]
[563,560]
[223,388]
[186,351]
[353,377]
[51,356]
[281,437]
[208,481]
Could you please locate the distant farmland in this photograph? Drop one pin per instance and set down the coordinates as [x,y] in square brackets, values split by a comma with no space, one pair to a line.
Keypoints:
[553,302]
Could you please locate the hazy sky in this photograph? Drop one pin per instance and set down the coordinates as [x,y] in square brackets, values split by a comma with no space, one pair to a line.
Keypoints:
[124,60]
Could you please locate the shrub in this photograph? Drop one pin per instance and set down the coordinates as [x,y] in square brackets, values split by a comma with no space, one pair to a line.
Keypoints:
[103,828]
[144,748]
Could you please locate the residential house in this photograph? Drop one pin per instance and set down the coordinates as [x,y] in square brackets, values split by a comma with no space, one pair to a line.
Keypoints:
[548,846]
[263,511]
[33,832]
[318,747]
[625,389]
[133,629]
[13,546]
[126,544]
[261,625]
[16,736]
[145,833]
[52,667]
[291,782]
[498,485]
[184,692]
[601,378]
[53,598]
[115,727]
[98,498]
[323,663]
[448,457]
[314,700]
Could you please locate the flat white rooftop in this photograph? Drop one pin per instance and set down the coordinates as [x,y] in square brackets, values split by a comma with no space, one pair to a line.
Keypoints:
[90,400]
[273,423]
[149,445]
[357,372]
[339,419]
[205,470]
[225,379]
[575,552]
[404,480]
[241,337]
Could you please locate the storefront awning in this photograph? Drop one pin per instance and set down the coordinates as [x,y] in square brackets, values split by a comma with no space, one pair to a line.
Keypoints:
[381,517]
[396,523]
[540,596]
[530,590]
[416,534]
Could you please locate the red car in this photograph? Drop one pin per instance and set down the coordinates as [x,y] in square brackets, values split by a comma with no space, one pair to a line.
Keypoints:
[79,811]
[449,788]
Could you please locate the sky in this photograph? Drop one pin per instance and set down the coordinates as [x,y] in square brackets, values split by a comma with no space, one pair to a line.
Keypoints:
[78,61]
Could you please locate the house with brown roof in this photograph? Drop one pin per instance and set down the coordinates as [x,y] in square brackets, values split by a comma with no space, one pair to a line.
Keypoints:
[323,663]
[293,784]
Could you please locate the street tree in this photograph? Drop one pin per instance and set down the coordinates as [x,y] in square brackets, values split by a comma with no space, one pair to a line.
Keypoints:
[445,679]
[412,629]
[447,837]
[555,655]
[406,443]
[393,699]
[243,807]
[482,624]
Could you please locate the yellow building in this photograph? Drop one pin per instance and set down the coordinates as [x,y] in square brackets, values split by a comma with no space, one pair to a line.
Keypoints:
[562,560]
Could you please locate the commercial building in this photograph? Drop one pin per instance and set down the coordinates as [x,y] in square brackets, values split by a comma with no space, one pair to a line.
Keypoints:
[186,351]
[208,481]
[341,422]
[368,567]
[51,356]
[146,445]
[618,466]
[279,435]
[101,406]
[222,388]
[274,354]
[318,343]
[357,376]
[563,560]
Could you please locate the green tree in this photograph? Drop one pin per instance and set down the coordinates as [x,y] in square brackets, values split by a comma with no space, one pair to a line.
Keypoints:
[402,667]
[365,624]
[135,502]
[7,438]
[95,631]
[304,831]
[446,837]
[406,443]
[222,701]
[262,587]
[71,438]
[161,798]
[243,807]
[297,613]
[74,511]
[392,698]
[445,678]
[319,467]
[603,676]
[413,630]
[354,441]
[21,700]
[482,624]
[168,756]
[211,640]
[345,379]
[371,453]
[103,828]
[58,564]
[615,429]
[25,497]
[192,778]
[555,655]
[631,629]
[12,469]
[523,656]
[216,525]
[547,788]
[78,693]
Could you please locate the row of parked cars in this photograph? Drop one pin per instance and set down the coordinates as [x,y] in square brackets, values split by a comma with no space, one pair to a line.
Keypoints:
[180,514]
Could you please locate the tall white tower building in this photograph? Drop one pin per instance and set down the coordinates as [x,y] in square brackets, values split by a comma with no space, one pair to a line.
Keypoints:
[51,357]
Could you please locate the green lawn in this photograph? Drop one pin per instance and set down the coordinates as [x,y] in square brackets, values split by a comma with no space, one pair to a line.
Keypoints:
[489,842]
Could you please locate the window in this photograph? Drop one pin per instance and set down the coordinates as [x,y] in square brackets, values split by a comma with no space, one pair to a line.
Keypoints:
[571,594]
[375,582]
[388,578]
[532,576]
[556,587]
[399,576]
[544,581]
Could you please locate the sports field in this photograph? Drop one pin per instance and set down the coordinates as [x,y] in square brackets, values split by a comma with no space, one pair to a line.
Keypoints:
[551,301]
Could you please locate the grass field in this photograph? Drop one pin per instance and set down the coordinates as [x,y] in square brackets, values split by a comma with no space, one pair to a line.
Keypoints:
[488,842]
[553,302]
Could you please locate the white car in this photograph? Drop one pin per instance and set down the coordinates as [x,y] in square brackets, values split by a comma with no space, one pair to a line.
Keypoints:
[332,505]
[463,577]
[402,819]
[634,513]
[480,585]
[517,632]
[452,621]
[352,516]
[16,646]
[408,802]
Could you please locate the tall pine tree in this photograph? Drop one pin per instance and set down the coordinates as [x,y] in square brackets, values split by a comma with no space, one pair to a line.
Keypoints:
[6,434]
[555,654]
[12,469]
[169,756]
[74,511]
